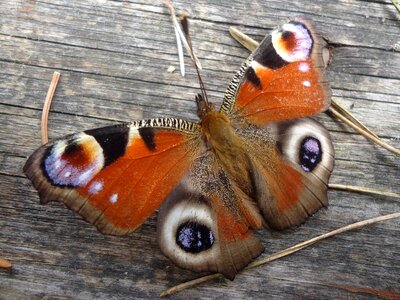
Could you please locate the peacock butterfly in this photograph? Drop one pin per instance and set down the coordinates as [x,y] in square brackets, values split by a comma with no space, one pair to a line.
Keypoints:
[257,162]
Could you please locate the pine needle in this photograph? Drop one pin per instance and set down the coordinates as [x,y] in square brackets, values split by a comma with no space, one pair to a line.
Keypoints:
[243,39]
[371,137]
[46,106]
[361,189]
[345,112]
[396,3]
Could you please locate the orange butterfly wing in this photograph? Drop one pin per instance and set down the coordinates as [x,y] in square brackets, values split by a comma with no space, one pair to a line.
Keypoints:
[202,234]
[290,169]
[115,177]
[283,79]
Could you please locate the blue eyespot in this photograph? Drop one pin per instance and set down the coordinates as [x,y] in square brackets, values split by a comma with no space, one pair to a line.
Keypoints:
[310,153]
[194,237]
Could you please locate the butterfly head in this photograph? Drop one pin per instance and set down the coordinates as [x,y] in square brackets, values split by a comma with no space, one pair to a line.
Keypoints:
[203,106]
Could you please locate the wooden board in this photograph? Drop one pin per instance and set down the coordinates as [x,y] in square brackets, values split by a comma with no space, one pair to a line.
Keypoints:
[114,56]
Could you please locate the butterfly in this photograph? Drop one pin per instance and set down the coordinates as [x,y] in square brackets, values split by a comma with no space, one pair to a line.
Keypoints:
[257,162]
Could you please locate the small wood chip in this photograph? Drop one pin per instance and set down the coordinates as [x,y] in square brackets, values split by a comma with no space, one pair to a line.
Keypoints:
[171,69]
[5,264]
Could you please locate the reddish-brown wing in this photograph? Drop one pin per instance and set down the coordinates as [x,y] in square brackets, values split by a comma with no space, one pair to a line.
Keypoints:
[283,79]
[291,163]
[115,177]
[200,233]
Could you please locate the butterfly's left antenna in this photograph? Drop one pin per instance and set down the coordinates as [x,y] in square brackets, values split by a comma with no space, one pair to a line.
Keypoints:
[184,37]
[203,96]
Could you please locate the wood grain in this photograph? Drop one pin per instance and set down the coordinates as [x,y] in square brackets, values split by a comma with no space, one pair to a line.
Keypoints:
[113,57]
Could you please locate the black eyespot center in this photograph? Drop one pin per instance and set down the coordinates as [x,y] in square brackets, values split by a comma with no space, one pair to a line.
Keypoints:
[310,153]
[286,34]
[194,237]
[72,147]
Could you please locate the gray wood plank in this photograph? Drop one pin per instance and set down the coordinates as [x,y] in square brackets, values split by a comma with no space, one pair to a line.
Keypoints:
[114,56]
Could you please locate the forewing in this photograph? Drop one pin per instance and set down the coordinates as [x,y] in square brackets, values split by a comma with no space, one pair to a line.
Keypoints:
[282,79]
[291,164]
[116,176]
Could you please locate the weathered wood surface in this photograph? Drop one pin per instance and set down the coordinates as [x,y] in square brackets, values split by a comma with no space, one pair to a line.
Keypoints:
[114,56]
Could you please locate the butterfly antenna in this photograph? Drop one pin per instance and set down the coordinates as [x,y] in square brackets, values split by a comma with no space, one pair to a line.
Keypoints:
[185,26]
[180,38]
[183,37]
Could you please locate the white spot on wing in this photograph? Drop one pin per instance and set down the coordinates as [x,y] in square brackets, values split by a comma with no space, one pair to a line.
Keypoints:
[306,83]
[57,164]
[95,187]
[304,67]
[114,198]
[85,176]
